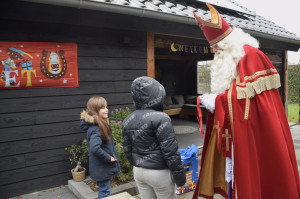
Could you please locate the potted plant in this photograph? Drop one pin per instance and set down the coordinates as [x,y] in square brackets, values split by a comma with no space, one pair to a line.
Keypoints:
[78,154]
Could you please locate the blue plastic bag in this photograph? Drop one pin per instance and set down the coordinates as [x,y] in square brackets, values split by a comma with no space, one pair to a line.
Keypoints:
[189,162]
[188,152]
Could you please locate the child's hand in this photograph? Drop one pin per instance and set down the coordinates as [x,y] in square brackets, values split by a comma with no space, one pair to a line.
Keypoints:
[181,188]
[112,159]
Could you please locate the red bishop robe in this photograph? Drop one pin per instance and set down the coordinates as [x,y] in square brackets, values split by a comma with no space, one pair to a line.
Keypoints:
[251,115]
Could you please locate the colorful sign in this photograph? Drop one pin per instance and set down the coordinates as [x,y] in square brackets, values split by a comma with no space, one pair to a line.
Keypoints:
[189,49]
[38,65]
[182,48]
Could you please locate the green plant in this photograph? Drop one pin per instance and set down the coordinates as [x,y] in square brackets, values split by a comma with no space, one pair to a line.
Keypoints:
[116,118]
[119,114]
[78,154]
[293,84]
[293,113]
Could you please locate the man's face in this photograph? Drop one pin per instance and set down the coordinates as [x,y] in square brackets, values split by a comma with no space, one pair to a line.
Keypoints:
[215,48]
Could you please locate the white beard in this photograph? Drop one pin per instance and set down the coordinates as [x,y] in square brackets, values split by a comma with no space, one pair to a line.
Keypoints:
[223,71]
[224,65]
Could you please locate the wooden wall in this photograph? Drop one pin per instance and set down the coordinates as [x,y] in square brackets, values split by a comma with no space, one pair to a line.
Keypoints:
[37,124]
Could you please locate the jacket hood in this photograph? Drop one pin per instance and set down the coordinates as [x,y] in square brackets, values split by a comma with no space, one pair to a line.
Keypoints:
[87,120]
[148,93]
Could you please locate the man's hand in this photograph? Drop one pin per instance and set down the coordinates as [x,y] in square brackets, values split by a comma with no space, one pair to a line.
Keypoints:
[208,100]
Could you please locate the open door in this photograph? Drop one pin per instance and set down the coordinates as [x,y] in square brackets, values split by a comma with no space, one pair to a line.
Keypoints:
[176,68]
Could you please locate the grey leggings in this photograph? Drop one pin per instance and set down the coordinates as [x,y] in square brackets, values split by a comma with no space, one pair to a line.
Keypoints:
[154,184]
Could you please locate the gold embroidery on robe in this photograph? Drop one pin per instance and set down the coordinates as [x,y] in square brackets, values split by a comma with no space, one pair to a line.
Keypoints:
[230,107]
[247,108]
[252,77]
[264,83]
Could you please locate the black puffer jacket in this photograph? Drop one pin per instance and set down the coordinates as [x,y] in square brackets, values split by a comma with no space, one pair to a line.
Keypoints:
[148,136]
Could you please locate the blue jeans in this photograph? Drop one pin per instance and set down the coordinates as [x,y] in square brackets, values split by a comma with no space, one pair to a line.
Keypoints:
[104,188]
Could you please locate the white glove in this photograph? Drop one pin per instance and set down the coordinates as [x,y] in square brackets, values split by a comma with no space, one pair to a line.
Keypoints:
[209,100]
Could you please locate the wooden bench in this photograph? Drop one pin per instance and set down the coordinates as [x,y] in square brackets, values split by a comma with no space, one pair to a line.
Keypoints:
[186,111]
[173,111]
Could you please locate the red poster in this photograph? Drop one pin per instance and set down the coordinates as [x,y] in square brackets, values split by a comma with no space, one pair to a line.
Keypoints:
[38,65]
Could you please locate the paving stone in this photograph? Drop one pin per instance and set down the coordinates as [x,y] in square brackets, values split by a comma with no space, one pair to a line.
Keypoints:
[123,195]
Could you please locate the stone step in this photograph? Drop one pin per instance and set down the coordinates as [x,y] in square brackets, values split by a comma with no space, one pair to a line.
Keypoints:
[123,195]
[82,191]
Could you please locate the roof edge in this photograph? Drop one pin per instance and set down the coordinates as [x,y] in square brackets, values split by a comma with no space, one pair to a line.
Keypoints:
[139,12]
[118,9]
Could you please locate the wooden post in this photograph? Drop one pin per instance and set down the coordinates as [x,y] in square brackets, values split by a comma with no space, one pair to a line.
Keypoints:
[150,55]
[285,82]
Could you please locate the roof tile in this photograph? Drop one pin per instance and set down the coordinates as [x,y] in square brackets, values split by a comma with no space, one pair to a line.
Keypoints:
[246,20]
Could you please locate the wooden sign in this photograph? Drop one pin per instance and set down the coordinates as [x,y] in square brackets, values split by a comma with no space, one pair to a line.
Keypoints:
[38,65]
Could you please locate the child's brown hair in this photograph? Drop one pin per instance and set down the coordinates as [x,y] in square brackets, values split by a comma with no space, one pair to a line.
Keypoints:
[93,106]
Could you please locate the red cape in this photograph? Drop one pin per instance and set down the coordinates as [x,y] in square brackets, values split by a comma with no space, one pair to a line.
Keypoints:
[252,113]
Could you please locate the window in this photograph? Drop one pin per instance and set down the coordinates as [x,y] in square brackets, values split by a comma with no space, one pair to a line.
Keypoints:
[203,77]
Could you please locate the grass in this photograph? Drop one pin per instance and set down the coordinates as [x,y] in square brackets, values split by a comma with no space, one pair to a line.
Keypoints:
[293,110]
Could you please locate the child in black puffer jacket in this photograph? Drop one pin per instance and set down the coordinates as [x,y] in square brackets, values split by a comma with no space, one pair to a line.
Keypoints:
[149,142]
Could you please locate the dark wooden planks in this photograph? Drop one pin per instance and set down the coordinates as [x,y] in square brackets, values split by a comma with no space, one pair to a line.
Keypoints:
[111,51]
[28,186]
[32,172]
[112,63]
[37,124]
[33,158]
[39,144]
[110,75]
[72,33]
[84,88]
[39,117]
[38,131]
[88,18]
[57,102]
[45,117]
